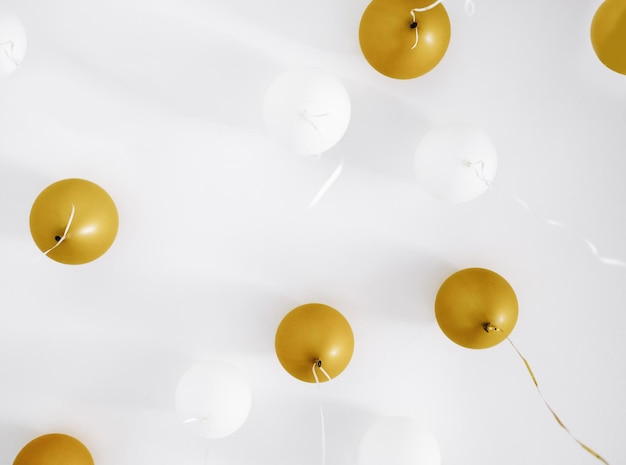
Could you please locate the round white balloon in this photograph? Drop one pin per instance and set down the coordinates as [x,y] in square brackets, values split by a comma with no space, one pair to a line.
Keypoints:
[13,44]
[398,441]
[214,399]
[455,162]
[306,110]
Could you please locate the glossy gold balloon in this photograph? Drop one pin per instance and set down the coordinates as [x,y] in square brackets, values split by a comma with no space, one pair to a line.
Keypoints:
[387,35]
[54,449]
[608,34]
[476,308]
[93,227]
[314,333]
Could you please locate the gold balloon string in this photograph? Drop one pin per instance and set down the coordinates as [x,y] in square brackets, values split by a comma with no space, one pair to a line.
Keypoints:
[9,50]
[318,364]
[479,169]
[556,417]
[60,239]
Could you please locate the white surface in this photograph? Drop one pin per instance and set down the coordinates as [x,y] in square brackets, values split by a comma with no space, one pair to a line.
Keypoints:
[160,103]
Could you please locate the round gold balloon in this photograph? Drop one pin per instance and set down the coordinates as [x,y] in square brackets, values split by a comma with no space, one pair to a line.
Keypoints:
[608,34]
[388,33]
[310,334]
[476,308]
[92,225]
[54,449]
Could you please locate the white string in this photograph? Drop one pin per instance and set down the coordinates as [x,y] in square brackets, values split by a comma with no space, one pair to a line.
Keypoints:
[67,228]
[318,364]
[470,9]
[327,185]
[414,25]
[304,114]
[479,169]
[9,51]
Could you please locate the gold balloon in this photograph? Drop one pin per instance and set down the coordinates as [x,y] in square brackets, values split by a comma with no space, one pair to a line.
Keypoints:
[388,33]
[476,308]
[608,34]
[314,333]
[90,213]
[54,449]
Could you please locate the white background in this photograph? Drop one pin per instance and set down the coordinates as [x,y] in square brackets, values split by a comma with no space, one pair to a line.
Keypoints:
[160,103]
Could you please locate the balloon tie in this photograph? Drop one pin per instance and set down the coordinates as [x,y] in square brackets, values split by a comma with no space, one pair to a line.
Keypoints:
[479,170]
[60,239]
[414,24]
[488,327]
[556,417]
[305,116]
[318,364]
[9,51]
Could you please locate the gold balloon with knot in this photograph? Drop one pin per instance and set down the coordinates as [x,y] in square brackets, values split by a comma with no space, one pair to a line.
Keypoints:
[404,39]
[54,449]
[74,221]
[314,337]
[476,308]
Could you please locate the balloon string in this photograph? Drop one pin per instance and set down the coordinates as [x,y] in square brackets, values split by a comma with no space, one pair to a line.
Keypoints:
[67,228]
[318,364]
[415,25]
[9,50]
[327,185]
[556,417]
[304,114]
[479,170]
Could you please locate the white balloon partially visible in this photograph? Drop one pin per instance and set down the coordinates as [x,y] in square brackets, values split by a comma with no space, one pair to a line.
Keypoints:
[399,441]
[307,111]
[213,399]
[456,162]
[13,43]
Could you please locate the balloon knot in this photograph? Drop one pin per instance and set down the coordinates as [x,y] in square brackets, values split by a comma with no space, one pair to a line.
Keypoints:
[318,363]
[488,327]
[57,238]
[413,25]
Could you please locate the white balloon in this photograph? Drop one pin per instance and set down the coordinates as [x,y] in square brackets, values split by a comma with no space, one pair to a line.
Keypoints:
[306,110]
[398,441]
[214,399]
[455,162]
[13,44]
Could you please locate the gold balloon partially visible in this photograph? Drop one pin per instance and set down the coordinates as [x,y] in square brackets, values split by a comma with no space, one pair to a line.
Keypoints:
[476,308]
[54,449]
[89,211]
[388,34]
[314,333]
[608,34]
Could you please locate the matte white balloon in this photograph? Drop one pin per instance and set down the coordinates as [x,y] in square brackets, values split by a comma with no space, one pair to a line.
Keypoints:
[213,399]
[307,111]
[455,162]
[398,441]
[13,43]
